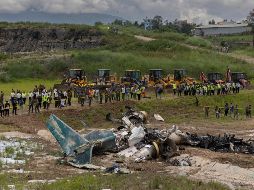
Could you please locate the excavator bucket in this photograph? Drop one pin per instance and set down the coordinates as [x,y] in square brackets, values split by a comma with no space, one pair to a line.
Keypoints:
[78,148]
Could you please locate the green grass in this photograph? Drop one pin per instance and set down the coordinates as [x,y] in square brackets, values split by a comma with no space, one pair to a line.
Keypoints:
[33,68]
[200,42]
[162,54]
[148,181]
[231,38]
[25,85]
[249,51]
[183,109]
[194,61]
[13,179]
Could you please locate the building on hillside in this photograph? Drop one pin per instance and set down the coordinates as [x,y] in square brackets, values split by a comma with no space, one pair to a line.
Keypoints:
[227,29]
[226,22]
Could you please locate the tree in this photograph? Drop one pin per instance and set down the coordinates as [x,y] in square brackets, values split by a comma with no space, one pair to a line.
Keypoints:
[99,23]
[127,23]
[136,23]
[187,28]
[250,17]
[250,20]
[157,22]
[118,22]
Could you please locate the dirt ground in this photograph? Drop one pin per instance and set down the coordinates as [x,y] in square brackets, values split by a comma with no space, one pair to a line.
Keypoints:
[45,163]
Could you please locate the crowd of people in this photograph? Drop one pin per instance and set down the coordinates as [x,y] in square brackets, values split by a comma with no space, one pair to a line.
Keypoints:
[110,94]
[231,110]
[206,89]
[41,98]
[35,100]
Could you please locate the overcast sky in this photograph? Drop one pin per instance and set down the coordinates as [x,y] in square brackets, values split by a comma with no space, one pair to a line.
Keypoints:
[193,10]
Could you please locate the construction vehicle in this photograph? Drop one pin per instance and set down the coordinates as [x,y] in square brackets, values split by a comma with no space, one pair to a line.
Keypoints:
[74,77]
[215,78]
[155,75]
[180,76]
[104,77]
[241,78]
[131,76]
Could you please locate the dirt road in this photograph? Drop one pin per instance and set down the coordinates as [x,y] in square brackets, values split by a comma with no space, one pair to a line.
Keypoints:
[143,38]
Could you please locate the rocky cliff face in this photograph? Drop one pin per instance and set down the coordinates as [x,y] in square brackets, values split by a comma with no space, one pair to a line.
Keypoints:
[28,40]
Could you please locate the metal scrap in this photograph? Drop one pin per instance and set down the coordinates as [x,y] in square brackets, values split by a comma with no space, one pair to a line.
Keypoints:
[77,148]
[226,143]
[132,139]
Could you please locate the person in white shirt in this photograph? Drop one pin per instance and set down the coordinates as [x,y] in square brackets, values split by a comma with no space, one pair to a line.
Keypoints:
[123,93]
[19,98]
[23,95]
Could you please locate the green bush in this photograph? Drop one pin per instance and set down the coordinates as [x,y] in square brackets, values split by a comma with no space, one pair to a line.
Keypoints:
[3,56]
[4,77]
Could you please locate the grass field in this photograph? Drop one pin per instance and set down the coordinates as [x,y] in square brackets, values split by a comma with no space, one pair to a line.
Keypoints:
[148,181]
[168,57]
[231,38]
[97,181]
[249,51]
[25,85]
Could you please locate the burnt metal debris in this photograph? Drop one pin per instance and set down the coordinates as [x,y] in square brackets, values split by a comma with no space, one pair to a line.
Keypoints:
[132,139]
[225,143]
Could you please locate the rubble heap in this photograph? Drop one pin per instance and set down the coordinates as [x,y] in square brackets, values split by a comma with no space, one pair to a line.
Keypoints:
[226,143]
[132,139]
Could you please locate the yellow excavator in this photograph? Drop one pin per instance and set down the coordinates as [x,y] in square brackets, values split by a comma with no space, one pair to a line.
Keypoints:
[180,76]
[155,77]
[131,76]
[104,77]
[74,77]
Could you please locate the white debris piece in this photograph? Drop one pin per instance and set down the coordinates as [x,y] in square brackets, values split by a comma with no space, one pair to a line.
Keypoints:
[146,153]
[129,152]
[127,122]
[11,161]
[158,117]
[137,135]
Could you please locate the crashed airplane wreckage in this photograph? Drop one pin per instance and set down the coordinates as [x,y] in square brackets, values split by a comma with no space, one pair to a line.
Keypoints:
[134,140]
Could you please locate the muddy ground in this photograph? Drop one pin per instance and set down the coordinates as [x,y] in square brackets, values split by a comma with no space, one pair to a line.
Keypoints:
[45,161]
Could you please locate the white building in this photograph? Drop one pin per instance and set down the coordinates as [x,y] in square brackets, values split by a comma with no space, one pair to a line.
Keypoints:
[227,29]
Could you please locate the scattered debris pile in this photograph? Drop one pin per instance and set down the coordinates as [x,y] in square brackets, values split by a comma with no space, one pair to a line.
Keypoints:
[226,143]
[132,139]
[15,151]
